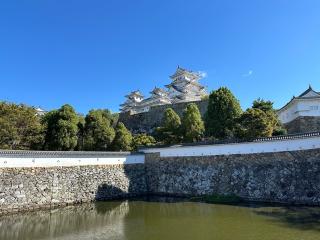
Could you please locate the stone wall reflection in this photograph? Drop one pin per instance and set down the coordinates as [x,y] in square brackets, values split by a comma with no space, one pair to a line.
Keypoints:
[87,221]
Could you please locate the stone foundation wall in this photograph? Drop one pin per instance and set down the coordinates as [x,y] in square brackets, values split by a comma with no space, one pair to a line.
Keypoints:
[148,121]
[33,188]
[303,125]
[286,177]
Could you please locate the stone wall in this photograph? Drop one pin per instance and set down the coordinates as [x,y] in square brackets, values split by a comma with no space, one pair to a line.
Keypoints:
[286,177]
[303,124]
[148,121]
[33,188]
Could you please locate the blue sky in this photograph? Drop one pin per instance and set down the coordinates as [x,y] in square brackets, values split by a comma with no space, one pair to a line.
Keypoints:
[91,53]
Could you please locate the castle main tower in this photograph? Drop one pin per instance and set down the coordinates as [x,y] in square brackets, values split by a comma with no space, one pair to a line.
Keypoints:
[185,86]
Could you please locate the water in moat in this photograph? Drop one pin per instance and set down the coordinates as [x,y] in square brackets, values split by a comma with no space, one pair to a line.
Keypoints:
[174,220]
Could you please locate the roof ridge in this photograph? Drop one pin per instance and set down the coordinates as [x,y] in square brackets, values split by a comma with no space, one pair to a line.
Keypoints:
[307,91]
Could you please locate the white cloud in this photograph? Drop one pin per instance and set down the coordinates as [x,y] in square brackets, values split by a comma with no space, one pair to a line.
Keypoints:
[203,74]
[249,73]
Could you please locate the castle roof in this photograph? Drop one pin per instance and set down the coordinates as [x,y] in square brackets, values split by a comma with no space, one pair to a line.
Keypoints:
[134,93]
[182,71]
[308,94]
[40,111]
[186,86]
[127,103]
[157,91]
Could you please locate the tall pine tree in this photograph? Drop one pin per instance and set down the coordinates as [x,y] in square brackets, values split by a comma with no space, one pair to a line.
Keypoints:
[170,130]
[267,108]
[223,110]
[123,138]
[61,129]
[192,124]
[98,130]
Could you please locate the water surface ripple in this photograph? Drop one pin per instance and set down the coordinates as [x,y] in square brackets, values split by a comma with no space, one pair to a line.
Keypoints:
[153,220]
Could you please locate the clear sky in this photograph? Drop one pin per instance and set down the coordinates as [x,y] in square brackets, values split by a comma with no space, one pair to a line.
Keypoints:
[91,53]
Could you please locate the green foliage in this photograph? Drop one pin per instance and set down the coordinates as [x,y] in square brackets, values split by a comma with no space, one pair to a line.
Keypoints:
[61,129]
[142,140]
[114,119]
[280,131]
[169,132]
[98,130]
[81,126]
[223,110]
[171,119]
[263,105]
[123,138]
[267,107]
[254,123]
[20,127]
[192,124]
[205,97]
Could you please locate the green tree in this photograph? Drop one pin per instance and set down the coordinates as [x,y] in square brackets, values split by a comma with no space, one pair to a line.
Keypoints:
[142,140]
[123,138]
[81,126]
[254,123]
[222,113]
[267,108]
[20,127]
[192,124]
[114,119]
[98,130]
[263,105]
[169,132]
[61,129]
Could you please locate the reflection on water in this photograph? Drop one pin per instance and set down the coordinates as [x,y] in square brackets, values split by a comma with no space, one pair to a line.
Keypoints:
[76,222]
[142,220]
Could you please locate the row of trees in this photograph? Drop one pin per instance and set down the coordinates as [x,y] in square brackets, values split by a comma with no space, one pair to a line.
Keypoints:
[174,130]
[65,130]
[224,119]
[100,130]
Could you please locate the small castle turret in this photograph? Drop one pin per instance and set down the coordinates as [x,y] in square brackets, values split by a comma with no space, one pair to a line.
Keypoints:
[133,101]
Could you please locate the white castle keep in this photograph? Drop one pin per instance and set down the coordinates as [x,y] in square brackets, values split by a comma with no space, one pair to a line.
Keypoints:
[185,87]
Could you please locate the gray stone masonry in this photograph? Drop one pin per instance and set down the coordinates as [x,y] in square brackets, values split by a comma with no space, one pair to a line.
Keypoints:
[286,177]
[291,177]
[303,124]
[146,122]
[33,188]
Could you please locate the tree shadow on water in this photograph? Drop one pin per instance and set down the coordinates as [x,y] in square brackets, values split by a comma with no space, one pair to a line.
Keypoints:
[302,218]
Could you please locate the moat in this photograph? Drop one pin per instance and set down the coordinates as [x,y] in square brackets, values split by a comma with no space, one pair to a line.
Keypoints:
[158,220]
